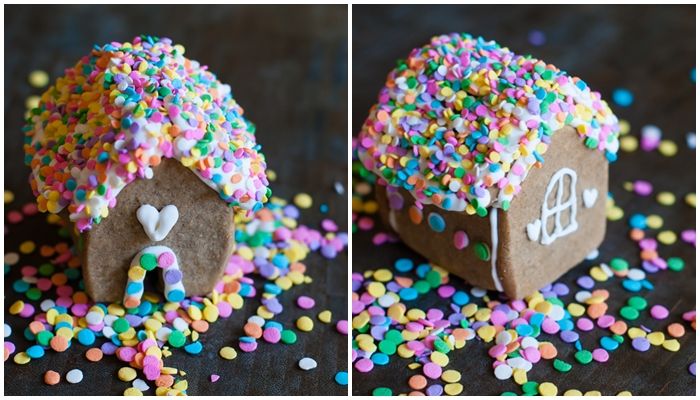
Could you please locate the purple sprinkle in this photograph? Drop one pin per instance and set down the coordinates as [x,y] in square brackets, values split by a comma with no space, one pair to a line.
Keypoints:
[560,289]
[536,37]
[172,276]
[569,336]
[585,282]
[640,344]
[436,390]
[691,368]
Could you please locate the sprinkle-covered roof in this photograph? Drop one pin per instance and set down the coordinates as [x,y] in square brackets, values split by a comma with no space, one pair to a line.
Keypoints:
[122,109]
[462,119]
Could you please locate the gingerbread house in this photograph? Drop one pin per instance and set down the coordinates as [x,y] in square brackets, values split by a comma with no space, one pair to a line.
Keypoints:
[490,164]
[148,155]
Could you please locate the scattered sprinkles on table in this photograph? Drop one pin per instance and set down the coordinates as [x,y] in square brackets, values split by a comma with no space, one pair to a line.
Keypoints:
[271,244]
[388,320]
[122,109]
[463,117]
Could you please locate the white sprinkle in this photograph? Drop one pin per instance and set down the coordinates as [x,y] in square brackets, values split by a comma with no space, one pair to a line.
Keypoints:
[257,320]
[386,300]
[529,341]
[593,255]
[636,274]
[339,188]
[94,318]
[74,376]
[140,384]
[8,330]
[504,338]
[690,139]
[582,296]
[307,363]
[503,372]
[607,270]
[478,292]
[46,305]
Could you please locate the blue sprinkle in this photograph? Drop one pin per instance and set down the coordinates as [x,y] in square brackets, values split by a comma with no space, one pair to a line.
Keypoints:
[436,222]
[175,295]
[536,319]
[380,358]
[341,378]
[35,351]
[638,221]
[622,97]
[423,270]
[408,294]
[247,339]
[194,348]
[566,324]
[631,286]
[403,264]
[134,287]
[460,298]
[20,286]
[524,329]
[609,343]
[86,337]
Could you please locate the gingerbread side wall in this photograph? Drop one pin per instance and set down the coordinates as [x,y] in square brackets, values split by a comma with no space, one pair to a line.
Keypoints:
[528,263]
[202,238]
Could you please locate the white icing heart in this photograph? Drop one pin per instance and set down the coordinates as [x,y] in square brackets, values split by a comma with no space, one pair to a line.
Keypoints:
[533,230]
[589,197]
[156,224]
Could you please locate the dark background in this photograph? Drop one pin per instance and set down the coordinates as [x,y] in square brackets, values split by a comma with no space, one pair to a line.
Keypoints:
[287,66]
[649,50]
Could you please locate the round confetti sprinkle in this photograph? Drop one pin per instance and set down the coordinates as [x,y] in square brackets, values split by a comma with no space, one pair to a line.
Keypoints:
[307,363]
[658,312]
[341,378]
[74,376]
[126,374]
[227,353]
[622,97]
[303,200]
[38,78]
[52,377]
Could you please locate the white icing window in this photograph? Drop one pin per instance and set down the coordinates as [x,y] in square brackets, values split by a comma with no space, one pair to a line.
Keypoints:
[563,210]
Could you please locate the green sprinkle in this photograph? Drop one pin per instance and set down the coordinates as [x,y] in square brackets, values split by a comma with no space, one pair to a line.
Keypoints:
[120,325]
[434,279]
[583,356]
[44,337]
[176,339]
[562,366]
[387,347]
[288,337]
[148,261]
[629,313]
[675,264]
[530,387]
[637,302]
[482,251]
[619,264]
[382,391]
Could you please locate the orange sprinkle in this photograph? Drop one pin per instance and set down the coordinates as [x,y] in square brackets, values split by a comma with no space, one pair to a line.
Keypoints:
[59,343]
[619,327]
[459,333]
[59,279]
[52,377]
[200,326]
[597,310]
[298,267]
[36,327]
[253,330]
[547,350]
[604,294]
[46,251]
[94,354]
[417,382]
[636,234]
[165,381]
[415,215]
[80,298]
[676,330]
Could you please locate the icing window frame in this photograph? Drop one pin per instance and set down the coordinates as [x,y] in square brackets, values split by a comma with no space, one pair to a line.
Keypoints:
[570,203]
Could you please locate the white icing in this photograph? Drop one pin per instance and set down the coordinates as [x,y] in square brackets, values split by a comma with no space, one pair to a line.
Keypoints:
[493,216]
[157,224]
[392,221]
[533,230]
[570,203]
[589,197]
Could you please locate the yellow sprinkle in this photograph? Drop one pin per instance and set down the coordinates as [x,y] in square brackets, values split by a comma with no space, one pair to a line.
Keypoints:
[303,200]
[376,289]
[211,313]
[360,320]
[666,198]
[325,316]
[32,102]
[575,309]
[413,366]
[598,274]
[573,392]
[228,353]
[624,393]
[548,389]
[671,345]
[126,374]
[38,79]
[17,307]
[132,391]
[9,197]
[27,247]
[382,275]
[451,376]
[453,389]
[655,221]
[668,148]
[486,332]
[544,307]
[592,393]
[635,332]
[615,213]
[405,352]
[519,376]
[656,338]
[690,199]
[271,175]
[629,143]
[305,324]
[624,127]
[439,358]
[21,358]
[666,237]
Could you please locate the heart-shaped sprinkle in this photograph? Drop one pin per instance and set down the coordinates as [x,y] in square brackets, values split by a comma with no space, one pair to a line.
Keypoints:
[589,197]
[533,230]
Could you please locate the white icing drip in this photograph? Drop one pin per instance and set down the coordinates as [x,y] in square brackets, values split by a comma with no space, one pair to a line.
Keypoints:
[493,217]
[570,203]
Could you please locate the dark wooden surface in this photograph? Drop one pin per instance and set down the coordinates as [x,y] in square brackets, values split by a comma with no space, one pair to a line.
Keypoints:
[287,66]
[650,51]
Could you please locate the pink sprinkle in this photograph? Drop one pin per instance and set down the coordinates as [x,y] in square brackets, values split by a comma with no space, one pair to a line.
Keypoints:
[606,321]
[364,365]
[342,326]
[329,225]
[432,370]
[689,315]
[498,317]
[446,291]
[532,354]
[225,309]
[248,346]
[659,312]
[600,355]
[550,326]
[214,377]
[643,188]
[166,259]
[460,240]
[14,217]
[30,209]
[688,236]
[584,324]
[271,335]
[306,302]
[497,350]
